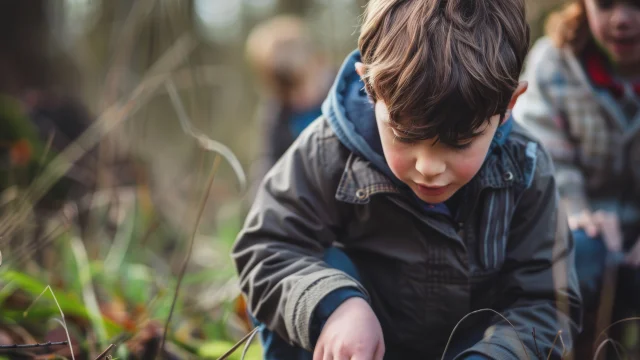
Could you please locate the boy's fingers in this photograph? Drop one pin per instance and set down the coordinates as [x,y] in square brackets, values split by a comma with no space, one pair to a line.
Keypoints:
[590,228]
[608,226]
[363,356]
[612,236]
[340,357]
[379,354]
[573,223]
[589,224]
[318,352]
[336,354]
[584,221]
[368,354]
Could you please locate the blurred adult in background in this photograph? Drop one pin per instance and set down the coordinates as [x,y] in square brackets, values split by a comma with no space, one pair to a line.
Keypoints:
[293,76]
[583,102]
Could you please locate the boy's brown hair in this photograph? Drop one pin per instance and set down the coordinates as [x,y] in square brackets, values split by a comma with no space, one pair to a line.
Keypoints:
[443,67]
[569,27]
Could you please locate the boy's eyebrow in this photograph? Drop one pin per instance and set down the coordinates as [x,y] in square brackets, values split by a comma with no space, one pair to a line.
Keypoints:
[414,135]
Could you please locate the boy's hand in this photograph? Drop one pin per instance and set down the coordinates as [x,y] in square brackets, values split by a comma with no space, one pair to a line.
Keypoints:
[352,332]
[601,223]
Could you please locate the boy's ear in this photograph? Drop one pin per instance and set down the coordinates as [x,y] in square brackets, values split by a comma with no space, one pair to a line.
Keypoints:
[360,69]
[522,87]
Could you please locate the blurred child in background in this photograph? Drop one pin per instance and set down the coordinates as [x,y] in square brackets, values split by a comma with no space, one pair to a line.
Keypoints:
[583,102]
[282,52]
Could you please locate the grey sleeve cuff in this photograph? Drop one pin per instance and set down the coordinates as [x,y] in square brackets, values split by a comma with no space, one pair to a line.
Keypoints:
[305,297]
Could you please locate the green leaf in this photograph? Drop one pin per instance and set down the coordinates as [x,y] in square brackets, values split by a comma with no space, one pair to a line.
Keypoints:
[69,303]
[34,287]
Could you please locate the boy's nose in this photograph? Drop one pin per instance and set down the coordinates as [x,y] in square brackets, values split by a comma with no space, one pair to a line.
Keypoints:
[429,165]
[621,16]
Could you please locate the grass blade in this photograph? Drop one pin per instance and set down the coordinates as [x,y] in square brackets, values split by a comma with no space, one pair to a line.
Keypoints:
[88,294]
[203,204]
[62,322]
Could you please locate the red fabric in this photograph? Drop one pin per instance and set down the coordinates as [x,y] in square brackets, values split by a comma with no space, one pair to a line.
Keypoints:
[600,75]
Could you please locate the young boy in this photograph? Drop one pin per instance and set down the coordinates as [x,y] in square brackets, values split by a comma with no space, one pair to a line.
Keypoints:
[408,206]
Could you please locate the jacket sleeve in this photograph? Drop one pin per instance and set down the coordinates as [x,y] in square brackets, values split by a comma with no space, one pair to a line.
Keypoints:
[539,284]
[543,113]
[278,253]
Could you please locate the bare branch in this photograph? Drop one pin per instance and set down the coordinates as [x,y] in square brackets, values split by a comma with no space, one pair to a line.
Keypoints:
[183,269]
[237,345]
[104,353]
[28,346]
[62,322]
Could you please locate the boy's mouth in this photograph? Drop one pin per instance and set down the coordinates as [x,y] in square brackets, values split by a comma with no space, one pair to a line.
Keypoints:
[624,44]
[432,190]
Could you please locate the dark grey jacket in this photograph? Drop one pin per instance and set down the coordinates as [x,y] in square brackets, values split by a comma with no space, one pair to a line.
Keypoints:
[509,250]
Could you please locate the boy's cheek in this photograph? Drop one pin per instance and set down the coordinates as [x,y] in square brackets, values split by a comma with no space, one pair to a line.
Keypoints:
[400,164]
[467,167]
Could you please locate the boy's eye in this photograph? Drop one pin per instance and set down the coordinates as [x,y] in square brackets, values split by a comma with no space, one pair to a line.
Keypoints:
[605,4]
[402,137]
[459,146]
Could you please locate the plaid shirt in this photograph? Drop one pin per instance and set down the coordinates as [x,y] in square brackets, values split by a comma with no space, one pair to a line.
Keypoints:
[595,146]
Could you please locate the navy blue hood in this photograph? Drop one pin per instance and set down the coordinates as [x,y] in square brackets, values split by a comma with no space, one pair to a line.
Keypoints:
[351,115]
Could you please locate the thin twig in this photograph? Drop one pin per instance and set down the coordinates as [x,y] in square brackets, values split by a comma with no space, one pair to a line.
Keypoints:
[125,44]
[45,153]
[193,196]
[535,342]
[558,335]
[615,323]
[183,269]
[564,348]
[237,345]
[601,346]
[28,346]
[104,353]
[203,140]
[247,345]
[63,322]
